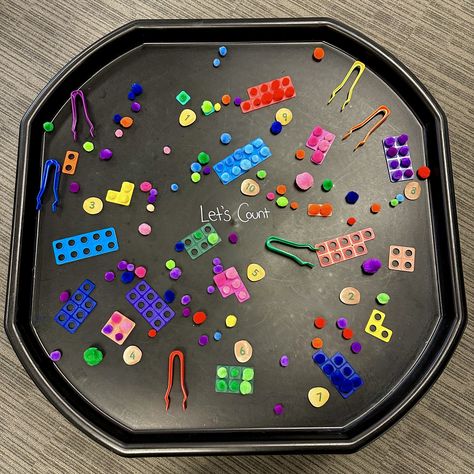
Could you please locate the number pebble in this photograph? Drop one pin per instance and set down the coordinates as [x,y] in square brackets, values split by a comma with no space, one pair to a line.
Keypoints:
[93,205]
[255,272]
[412,191]
[350,295]
[284,116]
[249,187]
[243,351]
[187,117]
[318,396]
[132,355]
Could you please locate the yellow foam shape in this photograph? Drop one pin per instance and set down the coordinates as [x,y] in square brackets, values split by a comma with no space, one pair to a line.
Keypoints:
[374,326]
[122,197]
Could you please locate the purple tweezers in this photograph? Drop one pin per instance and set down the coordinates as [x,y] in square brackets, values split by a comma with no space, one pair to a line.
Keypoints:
[74,94]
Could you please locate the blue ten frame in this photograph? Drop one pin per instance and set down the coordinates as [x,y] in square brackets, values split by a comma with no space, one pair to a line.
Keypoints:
[90,244]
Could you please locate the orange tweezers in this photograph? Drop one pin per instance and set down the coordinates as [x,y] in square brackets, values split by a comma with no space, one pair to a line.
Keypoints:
[180,356]
[383,109]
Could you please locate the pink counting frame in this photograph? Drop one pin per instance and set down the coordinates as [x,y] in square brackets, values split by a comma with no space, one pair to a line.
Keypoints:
[343,248]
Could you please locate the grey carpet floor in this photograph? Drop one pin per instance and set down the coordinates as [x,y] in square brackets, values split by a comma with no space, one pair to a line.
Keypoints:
[433,38]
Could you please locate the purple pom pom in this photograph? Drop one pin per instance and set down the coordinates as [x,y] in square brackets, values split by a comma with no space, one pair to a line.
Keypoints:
[371,266]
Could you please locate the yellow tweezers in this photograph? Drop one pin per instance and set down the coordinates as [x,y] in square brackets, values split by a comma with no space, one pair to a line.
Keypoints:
[357,65]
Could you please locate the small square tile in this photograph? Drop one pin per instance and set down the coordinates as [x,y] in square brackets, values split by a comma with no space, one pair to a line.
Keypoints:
[118,328]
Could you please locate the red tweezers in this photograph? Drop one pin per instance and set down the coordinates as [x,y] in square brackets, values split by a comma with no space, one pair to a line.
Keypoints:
[170,378]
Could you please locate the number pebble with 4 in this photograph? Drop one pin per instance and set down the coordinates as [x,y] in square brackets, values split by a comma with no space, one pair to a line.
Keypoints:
[132,355]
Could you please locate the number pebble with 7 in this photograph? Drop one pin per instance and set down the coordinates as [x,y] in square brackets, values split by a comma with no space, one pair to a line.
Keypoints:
[318,396]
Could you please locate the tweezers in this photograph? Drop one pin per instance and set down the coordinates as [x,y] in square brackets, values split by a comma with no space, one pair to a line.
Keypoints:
[74,95]
[273,238]
[44,181]
[180,356]
[383,109]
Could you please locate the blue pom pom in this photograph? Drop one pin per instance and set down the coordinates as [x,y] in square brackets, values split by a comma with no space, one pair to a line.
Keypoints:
[196,167]
[131,96]
[222,51]
[117,118]
[136,88]
[276,127]
[179,246]
[169,296]
[352,197]
[127,277]
[226,138]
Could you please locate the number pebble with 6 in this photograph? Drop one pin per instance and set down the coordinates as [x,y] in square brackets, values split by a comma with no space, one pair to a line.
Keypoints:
[243,351]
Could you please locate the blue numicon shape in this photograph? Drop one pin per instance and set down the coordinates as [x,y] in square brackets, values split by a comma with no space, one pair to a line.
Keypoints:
[76,309]
[340,373]
[242,160]
[150,305]
[91,244]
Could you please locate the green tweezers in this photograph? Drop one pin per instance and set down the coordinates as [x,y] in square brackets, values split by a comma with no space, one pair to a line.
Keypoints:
[273,238]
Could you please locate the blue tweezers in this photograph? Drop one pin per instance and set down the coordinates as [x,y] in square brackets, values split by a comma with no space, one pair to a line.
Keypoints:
[44,181]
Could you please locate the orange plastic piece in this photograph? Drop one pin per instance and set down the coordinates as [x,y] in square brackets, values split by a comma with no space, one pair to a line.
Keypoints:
[383,109]
[199,317]
[347,333]
[152,333]
[70,162]
[281,189]
[225,99]
[294,205]
[326,210]
[180,356]
[318,54]
[314,209]
[375,208]
[351,221]
[317,343]
[126,122]
[300,154]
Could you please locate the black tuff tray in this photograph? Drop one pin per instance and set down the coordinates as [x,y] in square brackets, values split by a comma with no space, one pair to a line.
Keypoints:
[122,407]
